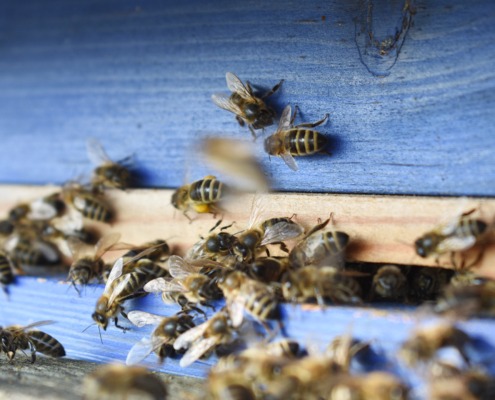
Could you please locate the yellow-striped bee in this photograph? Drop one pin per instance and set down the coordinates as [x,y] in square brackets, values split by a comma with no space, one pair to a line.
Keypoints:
[13,338]
[163,336]
[248,108]
[108,174]
[299,140]
[201,196]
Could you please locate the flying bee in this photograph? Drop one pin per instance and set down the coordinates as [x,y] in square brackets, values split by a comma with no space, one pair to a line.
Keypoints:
[295,141]
[465,301]
[87,268]
[424,343]
[322,283]
[320,248]
[41,209]
[456,236]
[188,286]
[108,174]
[108,381]
[90,204]
[202,338]
[389,282]
[372,386]
[6,271]
[162,338]
[245,294]
[16,337]
[201,196]
[248,108]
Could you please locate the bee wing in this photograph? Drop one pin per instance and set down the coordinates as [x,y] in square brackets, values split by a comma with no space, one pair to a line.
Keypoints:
[197,350]
[71,222]
[142,318]
[235,85]
[284,123]
[456,244]
[119,288]
[179,268]
[49,250]
[184,340]
[96,152]
[115,273]
[139,351]
[289,160]
[105,243]
[159,285]
[37,324]
[257,211]
[196,251]
[235,309]
[222,100]
[281,231]
[41,210]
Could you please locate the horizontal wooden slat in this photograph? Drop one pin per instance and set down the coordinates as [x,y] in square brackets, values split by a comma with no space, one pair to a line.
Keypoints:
[140,78]
[382,228]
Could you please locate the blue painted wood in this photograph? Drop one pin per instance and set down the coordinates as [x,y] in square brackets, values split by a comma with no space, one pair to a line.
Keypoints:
[139,76]
[32,299]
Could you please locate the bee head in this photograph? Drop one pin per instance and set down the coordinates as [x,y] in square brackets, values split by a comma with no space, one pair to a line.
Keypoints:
[425,245]
[263,117]
[100,319]
[179,198]
[273,144]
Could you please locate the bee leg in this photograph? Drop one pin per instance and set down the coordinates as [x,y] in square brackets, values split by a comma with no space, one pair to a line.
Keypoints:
[284,247]
[205,304]
[273,89]
[314,124]
[116,321]
[227,226]
[216,225]
[468,213]
[267,252]
[194,308]
[188,217]
[240,120]
[253,133]
[319,298]
[32,348]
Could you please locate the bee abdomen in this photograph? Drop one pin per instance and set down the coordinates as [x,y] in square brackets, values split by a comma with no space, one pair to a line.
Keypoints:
[93,209]
[471,227]
[262,305]
[303,142]
[335,241]
[6,274]
[46,344]
[206,191]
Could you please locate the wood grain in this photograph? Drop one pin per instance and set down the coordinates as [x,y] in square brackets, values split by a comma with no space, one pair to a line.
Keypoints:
[418,120]
[382,228]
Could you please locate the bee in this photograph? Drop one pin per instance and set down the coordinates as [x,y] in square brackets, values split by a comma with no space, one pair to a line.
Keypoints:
[426,283]
[462,385]
[162,338]
[6,227]
[216,246]
[424,343]
[88,203]
[342,349]
[245,294]
[389,282]
[108,174]
[290,140]
[457,236]
[320,248]
[267,269]
[248,108]
[273,230]
[159,250]
[16,337]
[120,287]
[6,271]
[468,300]
[201,196]
[321,283]
[188,287]
[204,337]
[41,209]
[27,248]
[109,381]
[372,386]
[84,269]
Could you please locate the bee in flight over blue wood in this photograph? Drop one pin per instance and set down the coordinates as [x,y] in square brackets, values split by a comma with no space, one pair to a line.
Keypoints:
[248,108]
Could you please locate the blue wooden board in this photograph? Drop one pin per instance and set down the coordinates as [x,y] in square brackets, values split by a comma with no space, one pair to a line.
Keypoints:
[138,75]
[33,299]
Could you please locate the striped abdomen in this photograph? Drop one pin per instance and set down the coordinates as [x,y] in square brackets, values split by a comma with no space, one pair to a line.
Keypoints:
[206,191]
[92,208]
[335,242]
[303,142]
[85,269]
[470,227]
[261,304]
[46,344]
[6,274]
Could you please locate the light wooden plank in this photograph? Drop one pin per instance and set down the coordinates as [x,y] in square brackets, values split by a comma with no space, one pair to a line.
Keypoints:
[140,78]
[382,228]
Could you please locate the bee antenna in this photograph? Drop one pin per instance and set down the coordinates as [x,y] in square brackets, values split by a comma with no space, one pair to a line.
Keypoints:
[99,331]
[85,329]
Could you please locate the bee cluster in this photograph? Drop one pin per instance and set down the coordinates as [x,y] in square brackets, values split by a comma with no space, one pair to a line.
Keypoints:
[240,269]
